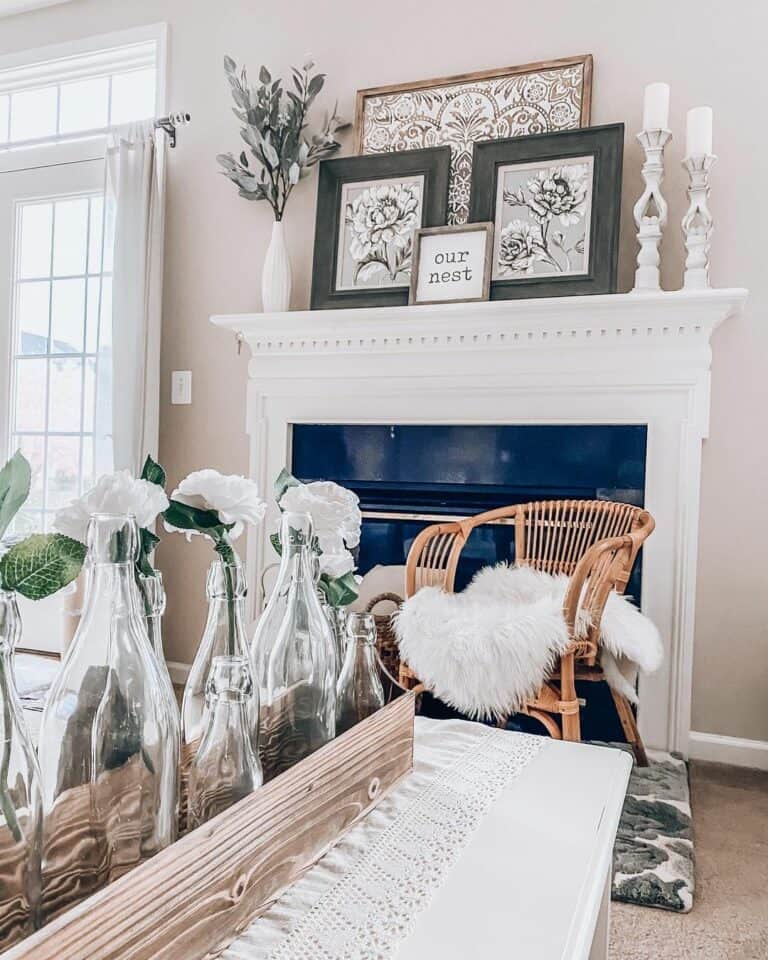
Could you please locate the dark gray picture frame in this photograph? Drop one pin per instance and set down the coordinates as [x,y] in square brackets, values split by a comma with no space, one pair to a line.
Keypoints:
[432,163]
[605,145]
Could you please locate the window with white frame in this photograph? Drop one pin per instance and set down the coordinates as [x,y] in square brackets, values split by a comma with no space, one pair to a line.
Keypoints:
[55,239]
[61,300]
[77,95]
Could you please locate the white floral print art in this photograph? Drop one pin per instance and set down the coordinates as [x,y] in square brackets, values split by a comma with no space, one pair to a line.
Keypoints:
[543,219]
[378,220]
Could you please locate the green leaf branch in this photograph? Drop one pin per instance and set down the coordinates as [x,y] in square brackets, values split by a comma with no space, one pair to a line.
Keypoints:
[274,129]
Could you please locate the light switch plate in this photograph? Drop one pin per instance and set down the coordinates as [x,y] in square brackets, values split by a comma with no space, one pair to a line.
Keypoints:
[181,386]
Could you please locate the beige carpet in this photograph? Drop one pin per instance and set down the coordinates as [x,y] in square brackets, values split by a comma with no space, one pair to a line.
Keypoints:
[729,920]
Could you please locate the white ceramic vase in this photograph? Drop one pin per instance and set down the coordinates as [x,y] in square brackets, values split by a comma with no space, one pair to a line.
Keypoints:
[276,278]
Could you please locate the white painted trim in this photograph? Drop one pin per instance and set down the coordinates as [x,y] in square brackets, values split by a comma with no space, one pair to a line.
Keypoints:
[84,45]
[734,750]
[179,671]
[10,8]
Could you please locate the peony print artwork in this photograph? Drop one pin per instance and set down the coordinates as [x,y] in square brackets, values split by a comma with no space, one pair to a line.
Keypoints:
[543,218]
[378,220]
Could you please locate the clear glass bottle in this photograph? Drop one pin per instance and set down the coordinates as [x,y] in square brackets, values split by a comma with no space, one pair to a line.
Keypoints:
[109,734]
[21,806]
[359,691]
[223,636]
[226,766]
[299,706]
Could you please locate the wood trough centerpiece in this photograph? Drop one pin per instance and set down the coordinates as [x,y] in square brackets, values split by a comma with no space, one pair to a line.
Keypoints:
[192,899]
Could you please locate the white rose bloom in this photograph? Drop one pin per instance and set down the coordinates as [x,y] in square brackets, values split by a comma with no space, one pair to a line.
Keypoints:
[335,565]
[335,512]
[234,498]
[117,493]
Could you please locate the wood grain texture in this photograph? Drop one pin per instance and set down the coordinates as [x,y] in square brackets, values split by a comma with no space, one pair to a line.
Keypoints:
[196,896]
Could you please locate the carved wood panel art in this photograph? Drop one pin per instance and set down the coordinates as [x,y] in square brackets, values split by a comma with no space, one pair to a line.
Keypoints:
[458,111]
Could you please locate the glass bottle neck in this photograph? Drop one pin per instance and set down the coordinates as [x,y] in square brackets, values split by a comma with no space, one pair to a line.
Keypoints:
[10,623]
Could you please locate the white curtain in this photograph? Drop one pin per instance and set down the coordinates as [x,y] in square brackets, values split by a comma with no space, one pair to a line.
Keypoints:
[128,390]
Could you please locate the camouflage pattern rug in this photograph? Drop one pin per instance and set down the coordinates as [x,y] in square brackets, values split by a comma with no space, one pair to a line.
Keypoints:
[653,854]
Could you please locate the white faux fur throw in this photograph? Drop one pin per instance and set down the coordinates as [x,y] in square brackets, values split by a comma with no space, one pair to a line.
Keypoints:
[487,650]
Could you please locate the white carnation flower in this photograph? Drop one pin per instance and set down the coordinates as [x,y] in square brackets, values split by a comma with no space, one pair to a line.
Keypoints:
[234,498]
[117,493]
[335,565]
[335,512]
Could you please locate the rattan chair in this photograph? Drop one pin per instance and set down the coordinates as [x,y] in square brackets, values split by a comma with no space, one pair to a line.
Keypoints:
[594,542]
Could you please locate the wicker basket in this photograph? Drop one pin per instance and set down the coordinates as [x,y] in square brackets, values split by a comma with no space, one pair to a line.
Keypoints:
[386,642]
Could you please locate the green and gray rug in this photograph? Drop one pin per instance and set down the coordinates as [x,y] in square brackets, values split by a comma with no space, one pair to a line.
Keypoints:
[653,854]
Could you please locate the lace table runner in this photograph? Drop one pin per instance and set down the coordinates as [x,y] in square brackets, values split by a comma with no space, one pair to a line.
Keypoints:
[365,895]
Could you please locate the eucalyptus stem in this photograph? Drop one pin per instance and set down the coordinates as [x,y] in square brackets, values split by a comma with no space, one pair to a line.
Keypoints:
[225,550]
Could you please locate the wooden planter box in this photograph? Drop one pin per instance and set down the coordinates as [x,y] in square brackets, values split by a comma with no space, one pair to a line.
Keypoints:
[192,899]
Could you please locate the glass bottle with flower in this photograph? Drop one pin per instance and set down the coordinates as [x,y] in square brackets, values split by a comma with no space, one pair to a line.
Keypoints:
[109,743]
[336,524]
[218,507]
[282,152]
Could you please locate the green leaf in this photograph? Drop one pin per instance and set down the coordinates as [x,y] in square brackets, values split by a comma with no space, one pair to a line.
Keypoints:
[153,472]
[15,480]
[229,65]
[41,564]
[340,592]
[264,76]
[184,517]
[147,543]
[275,541]
[285,479]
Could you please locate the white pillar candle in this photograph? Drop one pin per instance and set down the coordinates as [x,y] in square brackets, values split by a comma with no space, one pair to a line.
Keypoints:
[656,107]
[698,132]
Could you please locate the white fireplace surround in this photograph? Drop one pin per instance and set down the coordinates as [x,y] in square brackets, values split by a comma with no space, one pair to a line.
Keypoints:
[626,358]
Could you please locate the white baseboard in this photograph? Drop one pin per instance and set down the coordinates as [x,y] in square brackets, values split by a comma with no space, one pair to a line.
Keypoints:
[179,672]
[734,750]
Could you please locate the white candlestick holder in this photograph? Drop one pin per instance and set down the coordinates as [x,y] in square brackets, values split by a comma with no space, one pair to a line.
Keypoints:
[697,222]
[650,211]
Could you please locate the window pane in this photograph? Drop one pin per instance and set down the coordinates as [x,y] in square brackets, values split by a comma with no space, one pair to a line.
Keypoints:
[92,319]
[5,104]
[35,240]
[67,316]
[63,471]
[133,95]
[33,113]
[88,479]
[65,395]
[84,105]
[89,399]
[70,237]
[30,394]
[28,521]
[33,449]
[32,303]
[95,234]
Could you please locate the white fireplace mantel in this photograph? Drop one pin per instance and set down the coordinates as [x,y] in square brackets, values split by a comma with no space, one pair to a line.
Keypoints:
[626,358]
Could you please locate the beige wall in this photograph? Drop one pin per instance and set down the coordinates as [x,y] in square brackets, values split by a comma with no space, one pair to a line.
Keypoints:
[709,52]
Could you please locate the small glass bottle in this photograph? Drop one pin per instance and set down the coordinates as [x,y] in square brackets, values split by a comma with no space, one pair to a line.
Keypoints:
[21,806]
[226,766]
[359,692]
[299,707]
[109,734]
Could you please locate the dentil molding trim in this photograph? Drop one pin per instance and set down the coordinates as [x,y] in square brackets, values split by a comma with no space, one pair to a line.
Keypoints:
[632,318]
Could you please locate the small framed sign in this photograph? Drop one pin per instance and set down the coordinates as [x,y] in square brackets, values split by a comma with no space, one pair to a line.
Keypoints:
[452,264]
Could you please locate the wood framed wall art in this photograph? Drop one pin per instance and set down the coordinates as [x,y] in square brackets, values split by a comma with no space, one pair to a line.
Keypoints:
[555,202]
[452,264]
[368,209]
[533,98]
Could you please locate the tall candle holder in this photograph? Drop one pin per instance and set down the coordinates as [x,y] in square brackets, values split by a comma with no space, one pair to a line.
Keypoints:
[650,211]
[697,222]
